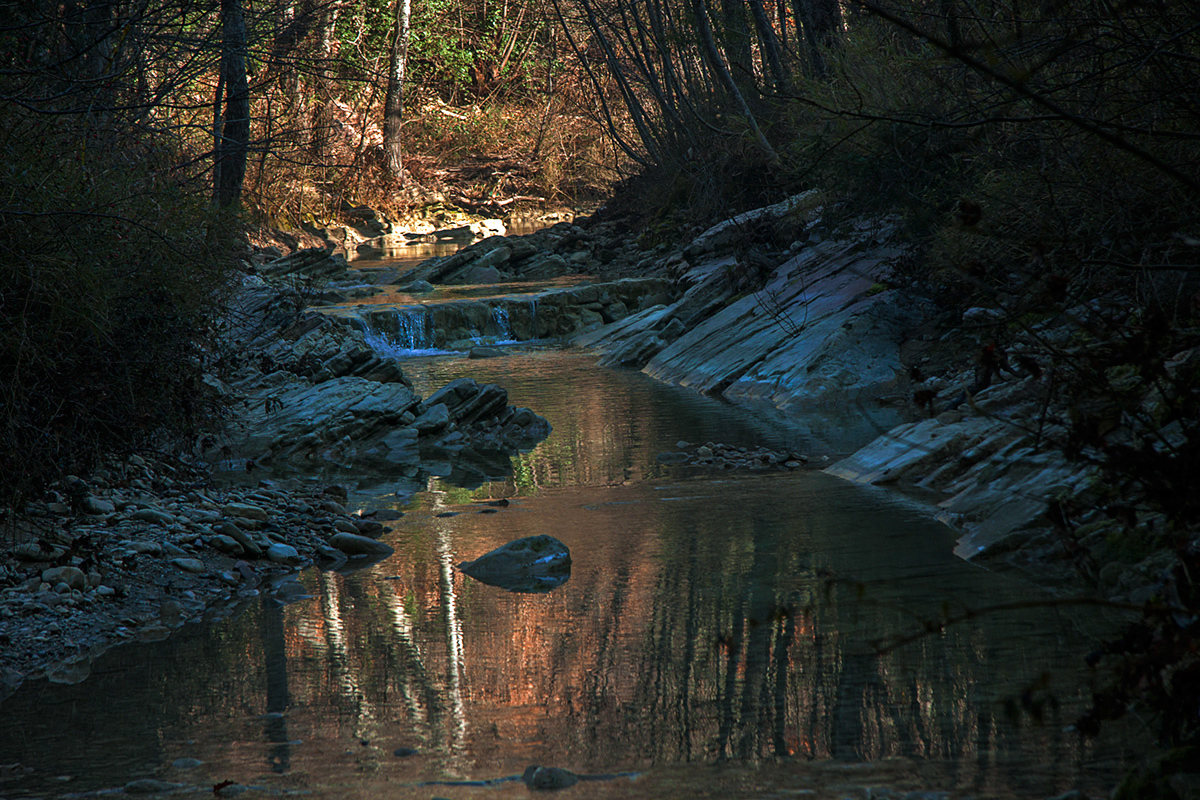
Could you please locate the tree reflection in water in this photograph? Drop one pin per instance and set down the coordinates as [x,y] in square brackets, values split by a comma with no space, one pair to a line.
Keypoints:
[275,663]
[708,633]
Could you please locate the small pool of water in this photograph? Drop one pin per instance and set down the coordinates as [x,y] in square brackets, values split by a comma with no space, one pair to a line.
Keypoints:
[721,635]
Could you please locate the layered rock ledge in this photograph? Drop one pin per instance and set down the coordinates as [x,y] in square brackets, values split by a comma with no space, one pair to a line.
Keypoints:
[780,307]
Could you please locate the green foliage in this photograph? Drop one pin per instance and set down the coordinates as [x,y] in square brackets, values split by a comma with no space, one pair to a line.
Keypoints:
[456,50]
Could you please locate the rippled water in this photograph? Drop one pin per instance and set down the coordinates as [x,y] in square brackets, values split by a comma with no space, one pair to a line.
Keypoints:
[721,635]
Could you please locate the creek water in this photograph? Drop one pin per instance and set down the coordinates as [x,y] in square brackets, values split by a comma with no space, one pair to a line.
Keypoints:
[722,634]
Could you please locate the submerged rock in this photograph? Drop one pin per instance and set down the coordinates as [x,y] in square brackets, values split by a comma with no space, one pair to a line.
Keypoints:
[533,564]
[548,778]
[149,786]
[352,544]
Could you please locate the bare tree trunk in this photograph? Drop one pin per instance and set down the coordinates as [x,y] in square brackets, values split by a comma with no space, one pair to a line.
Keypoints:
[322,112]
[723,74]
[289,30]
[821,19]
[735,39]
[952,30]
[233,131]
[393,102]
[768,45]
[613,130]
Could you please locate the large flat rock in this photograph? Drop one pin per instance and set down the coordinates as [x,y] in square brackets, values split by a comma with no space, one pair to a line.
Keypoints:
[822,331]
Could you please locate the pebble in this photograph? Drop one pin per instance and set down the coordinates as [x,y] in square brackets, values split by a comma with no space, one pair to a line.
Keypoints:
[240,536]
[245,511]
[193,565]
[97,506]
[227,544]
[152,515]
[284,554]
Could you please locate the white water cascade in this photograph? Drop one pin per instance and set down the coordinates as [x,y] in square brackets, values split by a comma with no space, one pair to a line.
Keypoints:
[413,335]
[504,331]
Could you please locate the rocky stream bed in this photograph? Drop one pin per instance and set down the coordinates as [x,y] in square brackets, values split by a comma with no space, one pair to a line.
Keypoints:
[773,307]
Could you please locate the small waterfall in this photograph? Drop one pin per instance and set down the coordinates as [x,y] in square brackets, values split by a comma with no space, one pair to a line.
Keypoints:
[415,328]
[504,331]
[533,317]
[413,332]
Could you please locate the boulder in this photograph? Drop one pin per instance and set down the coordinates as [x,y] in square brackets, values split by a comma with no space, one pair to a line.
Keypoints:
[71,576]
[532,564]
[481,275]
[284,554]
[435,418]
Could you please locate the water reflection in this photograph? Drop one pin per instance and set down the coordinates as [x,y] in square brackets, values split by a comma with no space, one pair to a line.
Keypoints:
[716,637]
[275,663]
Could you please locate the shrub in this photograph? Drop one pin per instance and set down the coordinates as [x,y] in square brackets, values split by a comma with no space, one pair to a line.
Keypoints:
[111,279]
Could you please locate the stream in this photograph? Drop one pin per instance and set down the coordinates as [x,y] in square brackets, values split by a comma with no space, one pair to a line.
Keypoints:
[722,634]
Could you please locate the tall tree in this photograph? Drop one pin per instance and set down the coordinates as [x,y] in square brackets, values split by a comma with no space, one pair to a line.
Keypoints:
[393,102]
[768,46]
[231,130]
[822,19]
[323,100]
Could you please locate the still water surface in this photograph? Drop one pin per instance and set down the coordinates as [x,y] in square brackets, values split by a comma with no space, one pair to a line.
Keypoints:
[717,638]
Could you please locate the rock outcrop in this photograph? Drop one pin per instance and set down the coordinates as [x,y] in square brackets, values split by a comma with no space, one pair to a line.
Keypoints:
[819,328]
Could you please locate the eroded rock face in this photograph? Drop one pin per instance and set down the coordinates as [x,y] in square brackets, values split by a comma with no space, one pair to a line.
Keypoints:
[819,329]
[529,565]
